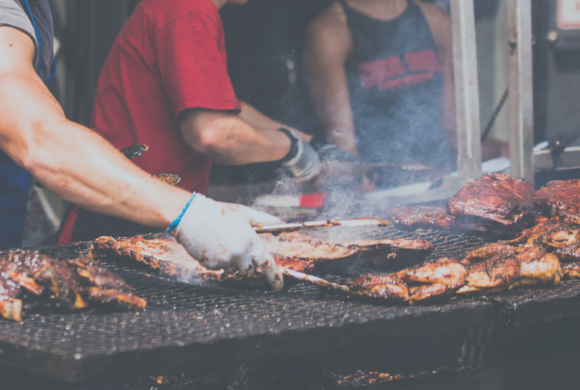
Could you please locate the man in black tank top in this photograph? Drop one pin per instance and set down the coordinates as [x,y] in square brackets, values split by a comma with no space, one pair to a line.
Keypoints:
[380,76]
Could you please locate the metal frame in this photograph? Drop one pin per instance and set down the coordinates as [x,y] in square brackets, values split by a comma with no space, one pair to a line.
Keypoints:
[466,91]
[520,103]
[520,81]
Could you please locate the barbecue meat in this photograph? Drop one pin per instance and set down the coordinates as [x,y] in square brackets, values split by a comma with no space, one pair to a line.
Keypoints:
[441,277]
[561,199]
[493,275]
[569,253]
[495,204]
[106,287]
[10,306]
[487,252]
[20,275]
[312,250]
[537,267]
[551,233]
[571,270]
[413,217]
[63,283]
[165,254]
[389,286]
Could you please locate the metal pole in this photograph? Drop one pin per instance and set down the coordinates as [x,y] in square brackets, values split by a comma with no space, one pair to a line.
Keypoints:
[520,103]
[466,91]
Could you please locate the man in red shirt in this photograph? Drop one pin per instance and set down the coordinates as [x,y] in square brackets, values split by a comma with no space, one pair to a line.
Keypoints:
[165,85]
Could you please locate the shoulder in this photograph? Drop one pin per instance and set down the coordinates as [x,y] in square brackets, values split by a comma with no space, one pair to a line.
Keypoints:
[329,31]
[439,22]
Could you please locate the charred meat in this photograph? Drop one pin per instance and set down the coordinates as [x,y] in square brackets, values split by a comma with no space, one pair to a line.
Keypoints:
[495,204]
[437,278]
[537,267]
[487,252]
[561,199]
[104,285]
[550,233]
[10,306]
[389,286]
[493,275]
[158,253]
[569,253]
[571,270]
[62,282]
[413,217]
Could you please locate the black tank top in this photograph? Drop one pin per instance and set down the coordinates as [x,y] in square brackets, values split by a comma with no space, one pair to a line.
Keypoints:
[395,81]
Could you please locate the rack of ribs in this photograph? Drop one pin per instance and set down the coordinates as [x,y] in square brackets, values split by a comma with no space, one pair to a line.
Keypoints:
[299,250]
[67,284]
[495,204]
[413,217]
[561,199]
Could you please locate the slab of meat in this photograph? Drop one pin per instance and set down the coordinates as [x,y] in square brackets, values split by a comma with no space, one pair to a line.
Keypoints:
[10,306]
[493,275]
[390,287]
[68,284]
[494,204]
[381,253]
[61,281]
[561,199]
[435,279]
[571,270]
[537,268]
[413,217]
[569,253]
[165,254]
[104,285]
[487,252]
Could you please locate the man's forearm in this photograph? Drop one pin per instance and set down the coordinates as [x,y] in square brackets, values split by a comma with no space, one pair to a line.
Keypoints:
[74,162]
[260,121]
[227,139]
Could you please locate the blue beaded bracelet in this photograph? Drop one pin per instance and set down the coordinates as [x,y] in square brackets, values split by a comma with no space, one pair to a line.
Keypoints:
[178,219]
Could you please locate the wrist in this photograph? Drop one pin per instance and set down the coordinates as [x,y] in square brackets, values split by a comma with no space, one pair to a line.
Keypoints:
[294,145]
[177,220]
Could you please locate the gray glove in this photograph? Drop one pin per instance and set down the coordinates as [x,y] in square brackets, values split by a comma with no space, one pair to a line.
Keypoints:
[302,160]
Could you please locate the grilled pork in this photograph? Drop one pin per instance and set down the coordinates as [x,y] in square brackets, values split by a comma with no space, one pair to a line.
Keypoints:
[440,277]
[561,199]
[380,286]
[537,267]
[495,204]
[105,286]
[69,284]
[63,283]
[413,217]
[164,253]
[314,251]
[571,270]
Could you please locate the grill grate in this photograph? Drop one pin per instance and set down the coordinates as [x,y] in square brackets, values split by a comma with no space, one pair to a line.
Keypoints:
[187,326]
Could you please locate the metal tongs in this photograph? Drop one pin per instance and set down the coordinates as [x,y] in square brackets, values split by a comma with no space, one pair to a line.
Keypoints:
[291,227]
[317,281]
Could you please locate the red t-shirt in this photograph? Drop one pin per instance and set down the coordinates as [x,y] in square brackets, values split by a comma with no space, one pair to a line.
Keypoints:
[169,56]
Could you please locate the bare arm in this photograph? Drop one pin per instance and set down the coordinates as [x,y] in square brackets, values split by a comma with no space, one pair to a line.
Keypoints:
[328,45]
[440,25]
[260,121]
[69,159]
[226,138]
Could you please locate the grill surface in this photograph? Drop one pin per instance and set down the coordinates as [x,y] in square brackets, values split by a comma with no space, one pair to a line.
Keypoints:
[186,326]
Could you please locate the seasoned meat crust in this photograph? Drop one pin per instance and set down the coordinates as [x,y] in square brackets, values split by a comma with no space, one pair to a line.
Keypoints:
[561,199]
[440,277]
[380,286]
[412,217]
[494,198]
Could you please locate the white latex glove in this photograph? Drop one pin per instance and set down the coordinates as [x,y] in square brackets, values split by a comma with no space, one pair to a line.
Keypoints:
[306,164]
[220,236]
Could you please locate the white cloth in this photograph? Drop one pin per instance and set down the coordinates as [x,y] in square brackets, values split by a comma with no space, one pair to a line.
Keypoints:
[220,236]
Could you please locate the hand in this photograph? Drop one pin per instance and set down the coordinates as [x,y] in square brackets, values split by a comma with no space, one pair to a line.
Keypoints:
[220,236]
[305,164]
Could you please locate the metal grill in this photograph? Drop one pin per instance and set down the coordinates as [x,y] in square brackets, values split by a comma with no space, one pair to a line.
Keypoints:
[187,326]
